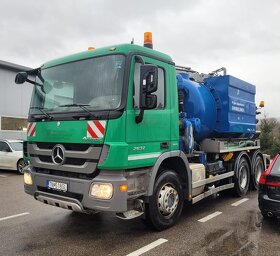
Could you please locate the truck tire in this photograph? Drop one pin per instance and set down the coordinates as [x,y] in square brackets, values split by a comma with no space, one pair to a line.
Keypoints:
[166,203]
[258,168]
[242,177]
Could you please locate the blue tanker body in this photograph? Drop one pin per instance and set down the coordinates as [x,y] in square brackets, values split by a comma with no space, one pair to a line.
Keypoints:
[221,106]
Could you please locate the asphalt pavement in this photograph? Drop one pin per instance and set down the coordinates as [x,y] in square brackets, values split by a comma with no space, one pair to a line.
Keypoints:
[221,225]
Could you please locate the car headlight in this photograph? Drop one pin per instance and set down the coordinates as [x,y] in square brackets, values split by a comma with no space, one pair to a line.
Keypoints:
[27,178]
[101,190]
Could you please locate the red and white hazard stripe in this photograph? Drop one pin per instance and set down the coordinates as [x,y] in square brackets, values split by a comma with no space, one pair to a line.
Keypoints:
[31,129]
[96,129]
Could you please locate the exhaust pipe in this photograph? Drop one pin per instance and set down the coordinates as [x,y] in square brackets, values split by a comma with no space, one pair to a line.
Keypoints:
[270,214]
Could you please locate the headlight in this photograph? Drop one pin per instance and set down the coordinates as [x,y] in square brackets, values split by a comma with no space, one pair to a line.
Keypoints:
[101,190]
[27,178]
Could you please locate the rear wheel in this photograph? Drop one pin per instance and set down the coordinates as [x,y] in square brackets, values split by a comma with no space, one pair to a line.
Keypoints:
[242,178]
[258,168]
[166,203]
[20,166]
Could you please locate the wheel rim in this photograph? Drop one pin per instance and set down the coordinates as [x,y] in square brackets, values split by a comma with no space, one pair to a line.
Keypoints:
[21,165]
[168,200]
[243,178]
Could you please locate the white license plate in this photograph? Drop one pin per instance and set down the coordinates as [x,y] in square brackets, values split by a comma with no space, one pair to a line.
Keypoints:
[57,185]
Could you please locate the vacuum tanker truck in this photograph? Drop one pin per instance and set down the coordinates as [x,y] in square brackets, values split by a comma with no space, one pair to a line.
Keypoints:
[123,129]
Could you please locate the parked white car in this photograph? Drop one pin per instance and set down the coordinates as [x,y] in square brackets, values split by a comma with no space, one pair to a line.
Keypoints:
[11,155]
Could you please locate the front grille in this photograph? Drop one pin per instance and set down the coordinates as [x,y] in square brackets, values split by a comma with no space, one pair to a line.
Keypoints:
[69,160]
[75,175]
[79,197]
[78,158]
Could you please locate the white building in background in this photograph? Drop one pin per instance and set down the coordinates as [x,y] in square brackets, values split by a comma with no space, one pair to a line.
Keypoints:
[14,102]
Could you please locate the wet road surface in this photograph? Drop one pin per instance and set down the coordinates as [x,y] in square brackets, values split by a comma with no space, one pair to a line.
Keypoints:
[216,226]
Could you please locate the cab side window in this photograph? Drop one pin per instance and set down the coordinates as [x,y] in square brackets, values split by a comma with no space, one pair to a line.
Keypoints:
[160,93]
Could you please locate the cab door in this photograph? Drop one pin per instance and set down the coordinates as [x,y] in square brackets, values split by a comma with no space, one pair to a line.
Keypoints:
[148,139]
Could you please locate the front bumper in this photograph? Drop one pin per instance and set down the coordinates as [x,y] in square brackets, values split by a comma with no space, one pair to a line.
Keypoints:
[268,205]
[77,197]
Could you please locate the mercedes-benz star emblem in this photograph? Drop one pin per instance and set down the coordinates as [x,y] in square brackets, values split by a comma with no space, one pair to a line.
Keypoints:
[58,154]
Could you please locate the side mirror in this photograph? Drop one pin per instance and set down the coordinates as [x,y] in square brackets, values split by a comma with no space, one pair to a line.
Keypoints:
[148,85]
[21,77]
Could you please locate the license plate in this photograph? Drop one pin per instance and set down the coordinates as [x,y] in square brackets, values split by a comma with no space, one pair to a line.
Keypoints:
[57,185]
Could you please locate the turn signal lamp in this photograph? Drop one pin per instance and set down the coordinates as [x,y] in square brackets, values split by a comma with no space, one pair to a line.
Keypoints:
[91,48]
[27,178]
[123,188]
[148,40]
[261,104]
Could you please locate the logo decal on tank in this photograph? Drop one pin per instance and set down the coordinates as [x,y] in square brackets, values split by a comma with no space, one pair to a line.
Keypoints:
[96,129]
[31,129]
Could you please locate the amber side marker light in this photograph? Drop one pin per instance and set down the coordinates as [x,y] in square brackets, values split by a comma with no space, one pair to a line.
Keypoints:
[91,48]
[123,188]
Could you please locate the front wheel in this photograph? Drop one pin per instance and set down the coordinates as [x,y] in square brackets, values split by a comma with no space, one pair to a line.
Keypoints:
[166,203]
[20,165]
[242,179]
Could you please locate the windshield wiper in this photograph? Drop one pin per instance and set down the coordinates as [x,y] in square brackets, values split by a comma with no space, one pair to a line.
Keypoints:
[82,106]
[46,115]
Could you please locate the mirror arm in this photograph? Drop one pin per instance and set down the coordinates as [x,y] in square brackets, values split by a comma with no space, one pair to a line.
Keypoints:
[31,82]
[139,118]
[37,84]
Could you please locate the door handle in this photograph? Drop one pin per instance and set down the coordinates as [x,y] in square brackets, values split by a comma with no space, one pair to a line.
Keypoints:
[164,145]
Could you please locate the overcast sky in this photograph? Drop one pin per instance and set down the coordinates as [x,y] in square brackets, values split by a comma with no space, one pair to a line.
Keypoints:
[241,35]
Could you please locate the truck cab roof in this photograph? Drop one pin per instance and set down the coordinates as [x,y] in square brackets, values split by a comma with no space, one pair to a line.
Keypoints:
[117,49]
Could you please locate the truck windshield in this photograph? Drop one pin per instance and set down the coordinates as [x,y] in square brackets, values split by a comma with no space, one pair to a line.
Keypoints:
[94,84]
